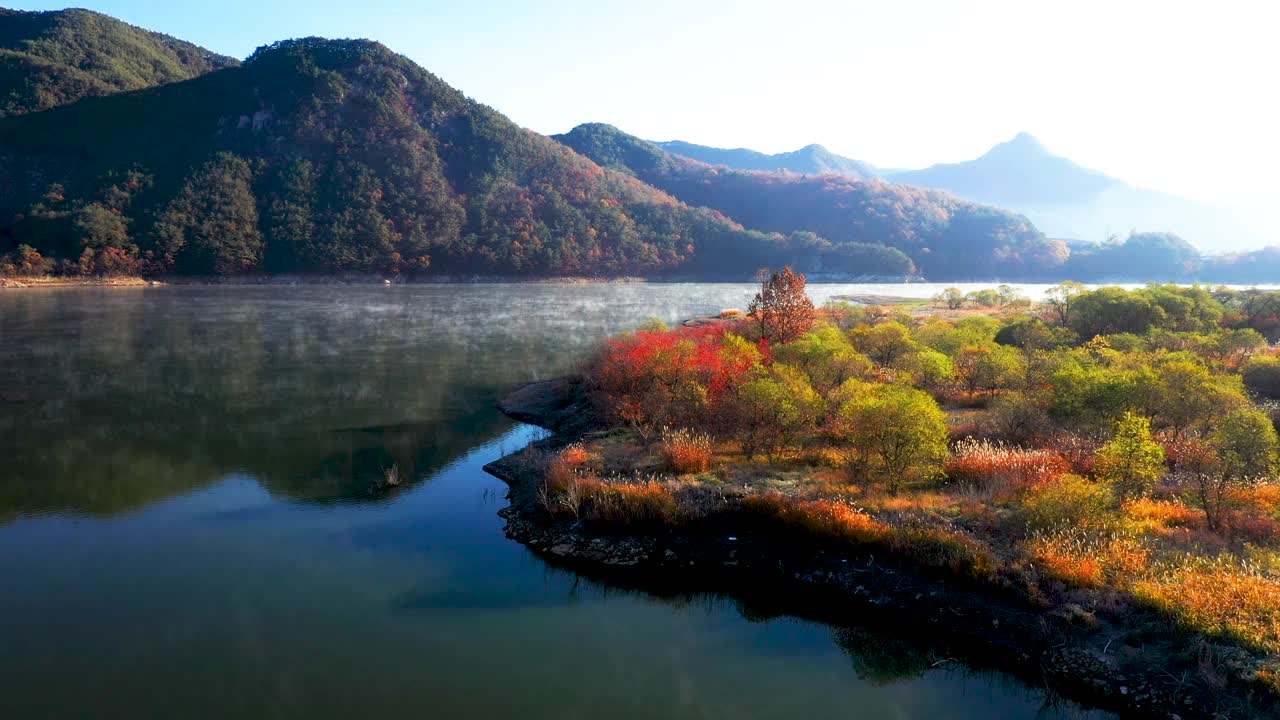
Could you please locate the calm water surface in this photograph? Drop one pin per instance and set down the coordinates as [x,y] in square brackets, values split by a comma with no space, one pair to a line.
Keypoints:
[188,528]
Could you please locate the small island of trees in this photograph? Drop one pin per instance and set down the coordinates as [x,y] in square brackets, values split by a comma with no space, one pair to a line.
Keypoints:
[1105,453]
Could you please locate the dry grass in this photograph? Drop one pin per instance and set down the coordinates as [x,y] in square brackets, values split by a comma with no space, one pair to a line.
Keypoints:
[627,503]
[1088,559]
[822,519]
[1069,502]
[686,452]
[1160,517]
[1265,498]
[1269,679]
[1221,596]
[1001,469]
[952,551]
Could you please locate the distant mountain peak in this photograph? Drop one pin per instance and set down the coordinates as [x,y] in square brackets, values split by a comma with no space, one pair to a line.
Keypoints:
[1018,172]
[1024,143]
[813,159]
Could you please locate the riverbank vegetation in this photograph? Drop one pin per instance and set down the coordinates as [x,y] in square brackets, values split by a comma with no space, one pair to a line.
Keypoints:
[1104,452]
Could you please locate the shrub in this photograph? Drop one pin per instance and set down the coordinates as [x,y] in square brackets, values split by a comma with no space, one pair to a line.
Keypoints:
[686,452]
[902,429]
[561,488]
[1132,461]
[774,408]
[1069,501]
[574,455]
[1019,418]
[1261,375]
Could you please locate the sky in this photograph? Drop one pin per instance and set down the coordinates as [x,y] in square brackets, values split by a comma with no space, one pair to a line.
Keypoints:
[1176,96]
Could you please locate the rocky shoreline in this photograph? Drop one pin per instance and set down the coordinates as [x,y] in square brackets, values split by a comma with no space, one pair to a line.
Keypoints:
[1114,662]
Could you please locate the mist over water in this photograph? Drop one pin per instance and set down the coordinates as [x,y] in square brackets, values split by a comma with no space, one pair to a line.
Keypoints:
[190,523]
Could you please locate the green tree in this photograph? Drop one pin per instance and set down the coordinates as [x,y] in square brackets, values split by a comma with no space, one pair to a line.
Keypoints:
[1032,333]
[1242,448]
[97,226]
[826,356]
[1009,296]
[1111,310]
[989,367]
[211,227]
[290,216]
[1186,396]
[952,297]
[928,369]
[884,343]
[985,298]
[774,409]
[1060,299]
[900,428]
[1245,441]
[1132,461]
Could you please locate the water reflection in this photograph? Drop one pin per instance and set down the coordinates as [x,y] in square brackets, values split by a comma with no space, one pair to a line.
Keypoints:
[187,526]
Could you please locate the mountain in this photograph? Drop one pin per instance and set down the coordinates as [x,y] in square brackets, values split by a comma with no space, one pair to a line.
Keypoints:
[52,58]
[340,156]
[1067,200]
[946,238]
[1014,173]
[808,160]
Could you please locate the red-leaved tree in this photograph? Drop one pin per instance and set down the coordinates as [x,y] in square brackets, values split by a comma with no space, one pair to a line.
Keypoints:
[782,307]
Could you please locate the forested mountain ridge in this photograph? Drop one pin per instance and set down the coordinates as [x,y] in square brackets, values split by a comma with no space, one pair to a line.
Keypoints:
[340,156]
[53,58]
[946,237]
[808,160]
[336,156]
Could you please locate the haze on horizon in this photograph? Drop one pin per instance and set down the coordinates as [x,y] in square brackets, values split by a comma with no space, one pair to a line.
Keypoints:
[1170,96]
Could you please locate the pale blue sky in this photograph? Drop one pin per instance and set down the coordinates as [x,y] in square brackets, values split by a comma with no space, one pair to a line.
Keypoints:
[1178,96]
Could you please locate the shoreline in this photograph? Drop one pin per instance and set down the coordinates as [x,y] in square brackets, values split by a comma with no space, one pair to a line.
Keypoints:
[987,626]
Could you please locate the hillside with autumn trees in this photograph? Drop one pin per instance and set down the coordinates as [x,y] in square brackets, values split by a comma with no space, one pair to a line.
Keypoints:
[330,156]
[53,58]
[945,237]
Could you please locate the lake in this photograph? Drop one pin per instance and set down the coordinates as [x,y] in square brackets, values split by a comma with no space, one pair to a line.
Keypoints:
[190,526]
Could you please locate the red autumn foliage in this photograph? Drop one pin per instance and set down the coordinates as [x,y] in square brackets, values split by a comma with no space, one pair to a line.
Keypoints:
[782,307]
[676,378]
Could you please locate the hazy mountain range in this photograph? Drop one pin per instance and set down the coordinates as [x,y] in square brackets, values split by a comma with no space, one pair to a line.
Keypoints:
[808,160]
[1062,198]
